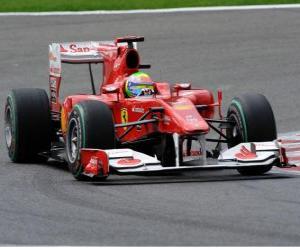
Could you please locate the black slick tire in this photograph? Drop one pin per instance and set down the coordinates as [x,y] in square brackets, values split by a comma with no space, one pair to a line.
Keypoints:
[165,151]
[253,122]
[90,125]
[27,124]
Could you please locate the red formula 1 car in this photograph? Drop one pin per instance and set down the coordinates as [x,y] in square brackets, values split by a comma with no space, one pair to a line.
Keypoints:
[175,128]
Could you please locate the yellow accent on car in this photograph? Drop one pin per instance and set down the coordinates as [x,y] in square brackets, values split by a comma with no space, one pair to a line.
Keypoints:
[63,120]
[124,116]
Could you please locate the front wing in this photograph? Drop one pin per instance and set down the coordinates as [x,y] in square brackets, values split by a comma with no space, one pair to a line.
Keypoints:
[126,161]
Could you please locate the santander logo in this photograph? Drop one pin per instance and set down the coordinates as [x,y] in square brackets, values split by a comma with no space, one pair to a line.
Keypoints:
[73,48]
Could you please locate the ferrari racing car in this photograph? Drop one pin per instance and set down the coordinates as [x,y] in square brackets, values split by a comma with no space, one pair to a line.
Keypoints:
[130,124]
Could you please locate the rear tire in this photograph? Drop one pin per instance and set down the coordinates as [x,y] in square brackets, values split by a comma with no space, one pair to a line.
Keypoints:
[27,124]
[254,122]
[90,126]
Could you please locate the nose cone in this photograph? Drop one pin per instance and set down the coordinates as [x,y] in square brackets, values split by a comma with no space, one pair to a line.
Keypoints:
[187,117]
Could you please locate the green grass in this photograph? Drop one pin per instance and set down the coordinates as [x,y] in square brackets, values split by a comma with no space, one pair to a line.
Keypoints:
[77,5]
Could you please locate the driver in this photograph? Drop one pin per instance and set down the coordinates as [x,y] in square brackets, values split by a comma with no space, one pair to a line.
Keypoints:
[139,84]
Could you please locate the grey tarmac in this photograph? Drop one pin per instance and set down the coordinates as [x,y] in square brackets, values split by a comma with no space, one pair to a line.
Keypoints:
[238,51]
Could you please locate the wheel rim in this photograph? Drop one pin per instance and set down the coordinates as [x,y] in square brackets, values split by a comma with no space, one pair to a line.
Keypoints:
[8,127]
[73,141]
[234,131]
[236,135]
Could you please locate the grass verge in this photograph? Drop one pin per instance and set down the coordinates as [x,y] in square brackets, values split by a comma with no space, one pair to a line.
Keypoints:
[79,5]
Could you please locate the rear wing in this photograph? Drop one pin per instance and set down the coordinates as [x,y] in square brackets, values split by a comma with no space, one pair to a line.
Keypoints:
[81,52]
[76,52]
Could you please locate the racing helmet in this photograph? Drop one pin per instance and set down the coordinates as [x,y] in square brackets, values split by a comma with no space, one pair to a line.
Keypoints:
[139,84]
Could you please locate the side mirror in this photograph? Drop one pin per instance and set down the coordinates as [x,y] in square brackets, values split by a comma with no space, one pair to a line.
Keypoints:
[182,86]
[111,89]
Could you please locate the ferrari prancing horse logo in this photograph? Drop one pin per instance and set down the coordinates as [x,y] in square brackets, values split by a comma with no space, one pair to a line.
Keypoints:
[124,116]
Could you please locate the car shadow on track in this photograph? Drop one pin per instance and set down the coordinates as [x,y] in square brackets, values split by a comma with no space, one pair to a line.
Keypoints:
[169,178]
[59,165]
[179,178]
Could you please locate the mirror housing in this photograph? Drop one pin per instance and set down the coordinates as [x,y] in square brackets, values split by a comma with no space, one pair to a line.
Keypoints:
[111,89]
[182,86]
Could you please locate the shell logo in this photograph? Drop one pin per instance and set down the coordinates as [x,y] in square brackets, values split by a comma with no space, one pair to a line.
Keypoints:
[52,57]
[183,107]
[63,120]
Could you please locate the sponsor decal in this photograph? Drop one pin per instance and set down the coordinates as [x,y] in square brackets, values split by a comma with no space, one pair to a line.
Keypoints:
[138,110]
[75,48]
[129,162]
[52,82]
[92,169]
[53,94]
[183,106]
[124,116]
[63,120]
[54,60]
[119,153]
[55,71]
[94,161]
[52,57]
[245,154]
[191,119]
[62,49]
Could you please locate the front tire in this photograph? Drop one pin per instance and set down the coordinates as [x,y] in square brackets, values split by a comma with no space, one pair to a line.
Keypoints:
[253,122]
[90,126]
[165,151]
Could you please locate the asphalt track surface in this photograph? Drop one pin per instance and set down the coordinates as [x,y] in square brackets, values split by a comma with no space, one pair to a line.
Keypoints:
[238,51]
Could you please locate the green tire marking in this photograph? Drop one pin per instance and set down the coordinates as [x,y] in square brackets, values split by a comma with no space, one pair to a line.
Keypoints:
[240,109]
[81,115]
